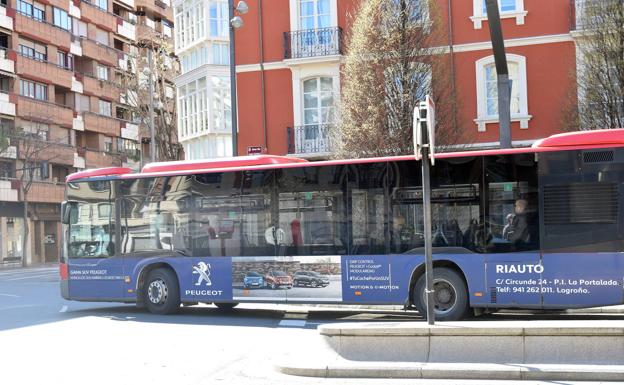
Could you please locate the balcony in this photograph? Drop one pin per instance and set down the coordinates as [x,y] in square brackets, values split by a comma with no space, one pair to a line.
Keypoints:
[100,159]
[8,191]
[7,107]
[129,3]
[130,131]
[7,60]
[144,31]
[126,29]
[42,31]
[127,62]
[6,22]
[99,52]
[91,13]
[79,161]
[313,43]
[97,87]
[9,153]
[44,111]
[47,192]
[52,150]
[162,8]
[313,139]
[43,70]
[101,124]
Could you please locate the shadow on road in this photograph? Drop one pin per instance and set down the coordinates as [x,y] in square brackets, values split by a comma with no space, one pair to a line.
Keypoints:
[270,318]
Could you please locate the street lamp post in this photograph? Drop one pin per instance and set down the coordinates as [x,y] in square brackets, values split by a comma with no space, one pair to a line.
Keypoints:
[235,23]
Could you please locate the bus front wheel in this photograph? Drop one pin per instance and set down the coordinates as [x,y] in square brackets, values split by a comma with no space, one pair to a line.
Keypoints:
[162,293]
[450,295]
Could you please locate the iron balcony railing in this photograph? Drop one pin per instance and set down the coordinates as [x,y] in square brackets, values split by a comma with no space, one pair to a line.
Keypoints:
[312,43]
[309,139]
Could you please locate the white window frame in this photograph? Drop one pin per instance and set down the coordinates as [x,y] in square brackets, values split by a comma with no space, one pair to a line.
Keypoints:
[482,117]
[294,14]
[478,16]
[102,70]
[105,107]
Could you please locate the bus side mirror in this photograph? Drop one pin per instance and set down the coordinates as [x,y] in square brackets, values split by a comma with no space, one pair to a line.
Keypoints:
[66,210]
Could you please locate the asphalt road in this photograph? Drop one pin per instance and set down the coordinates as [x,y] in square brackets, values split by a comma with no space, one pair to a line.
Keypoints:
[47,340]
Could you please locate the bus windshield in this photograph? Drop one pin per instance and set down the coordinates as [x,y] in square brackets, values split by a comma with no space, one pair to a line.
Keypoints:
[90,231]
[92,217]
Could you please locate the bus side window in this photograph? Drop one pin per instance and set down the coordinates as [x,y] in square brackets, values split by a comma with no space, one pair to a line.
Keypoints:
[512,209]
[311,211]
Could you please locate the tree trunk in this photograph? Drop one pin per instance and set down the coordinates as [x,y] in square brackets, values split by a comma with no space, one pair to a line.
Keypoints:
[25,226]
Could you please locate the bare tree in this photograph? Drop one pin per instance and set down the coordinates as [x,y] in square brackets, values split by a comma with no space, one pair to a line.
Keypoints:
[35,153]
[389,67]
[136,83]
[600,77]
[4,140]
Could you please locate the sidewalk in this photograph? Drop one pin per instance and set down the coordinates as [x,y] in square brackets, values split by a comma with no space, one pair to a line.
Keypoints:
[511,350]
[15,265]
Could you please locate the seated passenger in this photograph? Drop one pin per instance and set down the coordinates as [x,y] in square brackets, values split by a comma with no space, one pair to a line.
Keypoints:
[519,227]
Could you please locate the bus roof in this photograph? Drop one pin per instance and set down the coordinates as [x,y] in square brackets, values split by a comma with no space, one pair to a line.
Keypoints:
[580,140]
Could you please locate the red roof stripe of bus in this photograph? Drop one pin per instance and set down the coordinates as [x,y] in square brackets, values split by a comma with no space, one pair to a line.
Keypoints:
[580,138]
[107,171]
[583,140]
[446,155]
[253,160]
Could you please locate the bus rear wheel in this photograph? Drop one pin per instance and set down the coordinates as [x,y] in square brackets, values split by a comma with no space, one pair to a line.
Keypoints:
[450,295]
[162,292]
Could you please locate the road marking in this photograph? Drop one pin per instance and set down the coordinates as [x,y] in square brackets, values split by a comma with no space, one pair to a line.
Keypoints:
[292,323]
[32,276]
[9,295]
[63,309]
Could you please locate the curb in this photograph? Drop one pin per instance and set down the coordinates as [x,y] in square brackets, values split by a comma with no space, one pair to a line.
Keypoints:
[417,370]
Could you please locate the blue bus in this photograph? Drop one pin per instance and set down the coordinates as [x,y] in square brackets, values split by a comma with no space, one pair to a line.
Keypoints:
[529,228]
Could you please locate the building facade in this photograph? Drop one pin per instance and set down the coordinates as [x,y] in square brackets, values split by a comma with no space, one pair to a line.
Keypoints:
[64,105]
[203,88]
[289,53]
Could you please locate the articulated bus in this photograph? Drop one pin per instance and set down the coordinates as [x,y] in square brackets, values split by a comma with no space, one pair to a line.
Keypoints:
[525,228]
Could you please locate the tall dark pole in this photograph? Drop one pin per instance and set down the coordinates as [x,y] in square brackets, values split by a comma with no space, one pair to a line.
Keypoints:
[233,82]
[502,73]
[427,224]
[424,128]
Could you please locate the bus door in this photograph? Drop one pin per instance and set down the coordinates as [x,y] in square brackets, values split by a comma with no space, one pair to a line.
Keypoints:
[582,236]
[510,232]
[94,271]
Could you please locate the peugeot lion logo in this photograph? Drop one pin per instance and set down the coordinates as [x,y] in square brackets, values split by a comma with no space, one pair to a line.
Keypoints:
[203,269]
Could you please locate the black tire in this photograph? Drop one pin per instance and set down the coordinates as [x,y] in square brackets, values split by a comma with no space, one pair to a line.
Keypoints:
[273,286]
[161,293]
[451,295]
[226,305]
[314,283]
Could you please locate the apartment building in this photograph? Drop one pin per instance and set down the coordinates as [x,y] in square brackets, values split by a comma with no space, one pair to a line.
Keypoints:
[203,87]
[64,105]
[289,54]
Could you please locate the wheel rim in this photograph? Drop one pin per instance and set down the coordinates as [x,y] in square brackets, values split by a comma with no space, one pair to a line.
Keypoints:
[444,296]
[157,292]
[314,284]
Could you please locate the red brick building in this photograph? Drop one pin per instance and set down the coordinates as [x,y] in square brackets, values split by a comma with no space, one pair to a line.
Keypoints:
[288,58]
